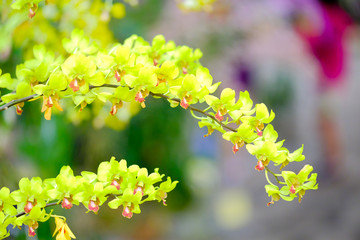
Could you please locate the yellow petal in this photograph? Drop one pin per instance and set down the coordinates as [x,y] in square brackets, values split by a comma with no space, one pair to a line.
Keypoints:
[57,105]
[69,232]
[59,224]
[61,235]
[47,114]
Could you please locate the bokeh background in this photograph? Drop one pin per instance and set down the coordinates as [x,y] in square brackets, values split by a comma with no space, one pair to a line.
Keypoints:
[300,57]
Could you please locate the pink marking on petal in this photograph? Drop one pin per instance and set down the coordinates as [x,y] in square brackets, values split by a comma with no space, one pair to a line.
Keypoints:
[32,13]
[28,206]
[74,85]
[139,189]
[259,132]
[127,212]
[184,103]
[19,110]
[93,206]
[219,116]
[49,102]
[66,203]
[117,76]
[31,232]
[260,166]
[292,189]
[236,147]
[139,97]
[116,184]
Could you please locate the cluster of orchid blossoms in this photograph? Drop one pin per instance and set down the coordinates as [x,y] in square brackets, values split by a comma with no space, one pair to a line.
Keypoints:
[128,73]
[127,187]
